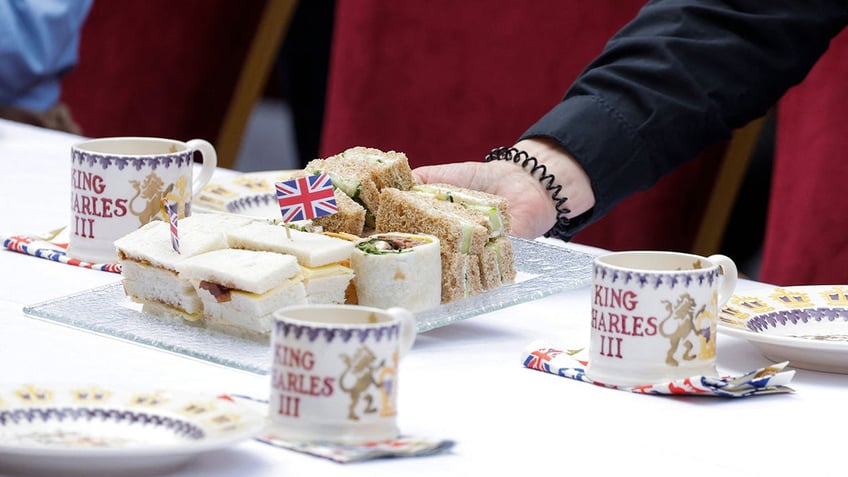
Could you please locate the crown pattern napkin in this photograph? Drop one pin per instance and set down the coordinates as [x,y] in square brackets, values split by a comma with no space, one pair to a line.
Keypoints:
[403,446]
[572,364]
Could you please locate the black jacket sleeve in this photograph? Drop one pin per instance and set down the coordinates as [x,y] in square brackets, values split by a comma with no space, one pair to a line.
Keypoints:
[678,78]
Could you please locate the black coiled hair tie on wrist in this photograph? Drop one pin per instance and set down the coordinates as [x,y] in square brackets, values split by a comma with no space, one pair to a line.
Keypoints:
[529,163]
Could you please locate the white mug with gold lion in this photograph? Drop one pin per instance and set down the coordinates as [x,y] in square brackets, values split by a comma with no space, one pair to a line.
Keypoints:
[654,315]
[334,372]
[119,184]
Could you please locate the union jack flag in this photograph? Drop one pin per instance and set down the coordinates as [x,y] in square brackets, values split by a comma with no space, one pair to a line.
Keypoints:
[540,359]
[306,197]
[171,207]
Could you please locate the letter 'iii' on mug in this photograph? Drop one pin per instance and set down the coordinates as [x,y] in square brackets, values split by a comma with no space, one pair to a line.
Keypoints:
[119,184]
[654,315]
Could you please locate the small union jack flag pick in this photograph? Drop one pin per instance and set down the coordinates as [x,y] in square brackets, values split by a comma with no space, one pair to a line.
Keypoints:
[306,198]
[171,207]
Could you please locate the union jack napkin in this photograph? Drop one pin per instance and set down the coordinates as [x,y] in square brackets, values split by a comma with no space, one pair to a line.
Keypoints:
[572,364]
[53,247]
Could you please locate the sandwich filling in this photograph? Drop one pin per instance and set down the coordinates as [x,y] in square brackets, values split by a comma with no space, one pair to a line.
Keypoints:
[385,243]
[398,269]
[469,201]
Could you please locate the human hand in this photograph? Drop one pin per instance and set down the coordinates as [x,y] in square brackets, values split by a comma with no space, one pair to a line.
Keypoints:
[531,207]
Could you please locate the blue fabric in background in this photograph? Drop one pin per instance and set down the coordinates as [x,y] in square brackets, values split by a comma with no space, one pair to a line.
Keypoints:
[39,42]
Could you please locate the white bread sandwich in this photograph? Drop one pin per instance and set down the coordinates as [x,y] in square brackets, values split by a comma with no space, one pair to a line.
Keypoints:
[240,289]
[398,269]
[148,260]
[324,259]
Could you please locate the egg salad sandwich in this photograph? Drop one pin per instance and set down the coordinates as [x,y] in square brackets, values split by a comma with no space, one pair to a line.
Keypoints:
[324,260]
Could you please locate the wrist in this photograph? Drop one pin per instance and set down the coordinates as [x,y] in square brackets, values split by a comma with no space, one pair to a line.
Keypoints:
[575,183]
[542,162]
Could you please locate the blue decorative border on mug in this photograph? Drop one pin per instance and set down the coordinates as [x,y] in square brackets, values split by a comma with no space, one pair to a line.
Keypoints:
[105,161]
[656,280]
[330,333]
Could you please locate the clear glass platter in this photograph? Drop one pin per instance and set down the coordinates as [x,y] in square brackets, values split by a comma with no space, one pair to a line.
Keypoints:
[543,270]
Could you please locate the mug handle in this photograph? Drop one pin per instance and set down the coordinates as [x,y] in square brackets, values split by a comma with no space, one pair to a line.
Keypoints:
[728,282]
[210,162]
[408,327]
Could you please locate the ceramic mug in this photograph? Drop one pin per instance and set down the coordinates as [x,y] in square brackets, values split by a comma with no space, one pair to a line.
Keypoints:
[119,184]
[335,372]
[654,315]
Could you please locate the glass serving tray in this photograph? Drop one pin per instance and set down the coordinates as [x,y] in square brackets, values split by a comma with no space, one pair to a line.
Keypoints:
[543,270]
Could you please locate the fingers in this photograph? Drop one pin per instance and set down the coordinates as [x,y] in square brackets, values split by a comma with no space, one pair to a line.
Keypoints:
[422,175]
[459,174]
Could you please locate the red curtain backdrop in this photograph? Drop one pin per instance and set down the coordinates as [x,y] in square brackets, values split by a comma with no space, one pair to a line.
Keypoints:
[159,67]
[807,230]
[447,81]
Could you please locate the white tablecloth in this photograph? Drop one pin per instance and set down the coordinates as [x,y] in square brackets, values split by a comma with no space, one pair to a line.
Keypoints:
[463,382]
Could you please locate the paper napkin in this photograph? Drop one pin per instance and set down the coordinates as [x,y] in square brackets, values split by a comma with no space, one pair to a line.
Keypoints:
[572,364]
[52,246]
[403,446]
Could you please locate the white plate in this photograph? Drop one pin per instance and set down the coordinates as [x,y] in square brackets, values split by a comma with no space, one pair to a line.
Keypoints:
[92,430]
[251,194]
[807,326]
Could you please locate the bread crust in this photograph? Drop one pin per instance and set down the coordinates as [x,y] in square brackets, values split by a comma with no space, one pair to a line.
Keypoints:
[461,234]
[367,170]
[350,218]
[413,212]
[469,197]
